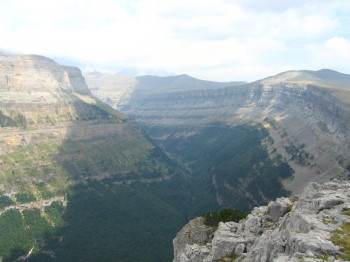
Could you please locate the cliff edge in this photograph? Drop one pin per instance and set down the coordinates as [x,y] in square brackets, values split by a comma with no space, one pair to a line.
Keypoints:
[310,227]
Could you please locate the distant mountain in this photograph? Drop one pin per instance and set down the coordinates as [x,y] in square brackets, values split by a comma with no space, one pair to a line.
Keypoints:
[117,89]
[324,77]
[157,84]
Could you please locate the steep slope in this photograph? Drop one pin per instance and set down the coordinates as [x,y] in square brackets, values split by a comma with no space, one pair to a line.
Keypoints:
[69,161]
[306,113]
[312,227]
[239,143]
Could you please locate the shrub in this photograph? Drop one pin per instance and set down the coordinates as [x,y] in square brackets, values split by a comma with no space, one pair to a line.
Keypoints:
[227,214]
[5,201]
[25,197]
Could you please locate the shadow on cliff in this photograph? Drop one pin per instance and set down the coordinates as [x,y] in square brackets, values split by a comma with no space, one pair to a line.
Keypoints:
[125,198]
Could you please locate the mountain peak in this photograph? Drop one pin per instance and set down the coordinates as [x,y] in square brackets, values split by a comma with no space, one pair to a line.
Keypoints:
[323,77]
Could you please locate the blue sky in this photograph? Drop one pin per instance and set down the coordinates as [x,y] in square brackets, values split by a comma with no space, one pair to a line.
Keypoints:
[218,40]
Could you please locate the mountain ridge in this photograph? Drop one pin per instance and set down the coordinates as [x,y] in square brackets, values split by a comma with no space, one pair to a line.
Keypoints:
[323,77]
[308,120]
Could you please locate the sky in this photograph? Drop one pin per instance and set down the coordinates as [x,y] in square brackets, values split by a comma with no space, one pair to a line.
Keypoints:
[219,40]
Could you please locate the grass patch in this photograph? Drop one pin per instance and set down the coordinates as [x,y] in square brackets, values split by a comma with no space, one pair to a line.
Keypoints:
[324,257]
[346,211]
[232,257]
[341,238]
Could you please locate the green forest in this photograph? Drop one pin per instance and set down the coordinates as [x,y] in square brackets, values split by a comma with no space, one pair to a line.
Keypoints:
[116,220]
[237,160]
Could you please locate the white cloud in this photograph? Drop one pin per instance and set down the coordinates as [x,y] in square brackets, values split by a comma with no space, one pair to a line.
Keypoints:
[334,51]
[217,37]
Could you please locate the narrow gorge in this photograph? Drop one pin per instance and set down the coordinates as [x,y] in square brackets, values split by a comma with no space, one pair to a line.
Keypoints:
[82,181]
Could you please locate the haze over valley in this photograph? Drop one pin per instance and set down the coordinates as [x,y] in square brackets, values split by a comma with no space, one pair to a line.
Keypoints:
[184,131]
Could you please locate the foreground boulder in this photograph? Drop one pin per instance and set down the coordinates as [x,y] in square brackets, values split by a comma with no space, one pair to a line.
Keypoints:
[295,229]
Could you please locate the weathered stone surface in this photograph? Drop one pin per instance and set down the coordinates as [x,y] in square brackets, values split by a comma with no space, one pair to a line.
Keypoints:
[38,87]
[195,232]
[282,231]
[76,80]
[279,208]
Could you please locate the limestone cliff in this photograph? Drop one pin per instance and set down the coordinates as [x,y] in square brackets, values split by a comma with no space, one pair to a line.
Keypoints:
[38,87]
[307,114]
[289,229]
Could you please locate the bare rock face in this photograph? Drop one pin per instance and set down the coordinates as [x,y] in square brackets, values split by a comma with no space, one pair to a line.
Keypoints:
[76,79]
[195,232]
[38,87]
[285,230]
[31,73]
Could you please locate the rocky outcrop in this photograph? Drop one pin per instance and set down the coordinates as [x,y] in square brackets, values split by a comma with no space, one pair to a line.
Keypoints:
[296,229]
[194,233]
[76,80]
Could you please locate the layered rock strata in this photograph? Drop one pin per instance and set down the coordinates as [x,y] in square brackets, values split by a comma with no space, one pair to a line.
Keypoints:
[37,87]
[308,120]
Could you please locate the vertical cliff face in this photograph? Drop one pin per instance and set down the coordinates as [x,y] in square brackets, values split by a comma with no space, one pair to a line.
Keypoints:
[37,87]
[296,229]
[28,73]
[76,80]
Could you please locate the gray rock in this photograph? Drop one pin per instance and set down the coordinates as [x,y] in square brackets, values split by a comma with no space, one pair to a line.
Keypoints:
[277,232]
[240,248]
[195,232]
[279,208]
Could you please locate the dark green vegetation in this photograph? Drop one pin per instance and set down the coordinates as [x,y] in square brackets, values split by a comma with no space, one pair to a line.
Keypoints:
[25,197]
[86,112]
[5,201]
[15,119]
[109,222]
[126,198]
[346,211]
[106,222]
[227,214]
[230,166]
[298,154]
[20,233]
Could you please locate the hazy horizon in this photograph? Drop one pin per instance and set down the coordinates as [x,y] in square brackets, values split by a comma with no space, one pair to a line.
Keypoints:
[212,40]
